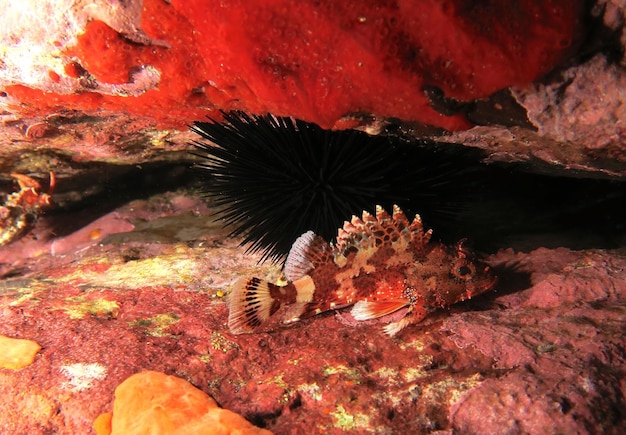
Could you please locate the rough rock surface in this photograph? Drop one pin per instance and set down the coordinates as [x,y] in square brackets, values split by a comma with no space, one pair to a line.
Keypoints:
[148,294]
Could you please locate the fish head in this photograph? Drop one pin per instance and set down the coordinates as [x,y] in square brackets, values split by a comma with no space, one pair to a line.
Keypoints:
[468,276]
[448,275]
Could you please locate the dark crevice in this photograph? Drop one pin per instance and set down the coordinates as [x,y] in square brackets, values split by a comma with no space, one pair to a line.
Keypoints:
[492,205]
[101,188]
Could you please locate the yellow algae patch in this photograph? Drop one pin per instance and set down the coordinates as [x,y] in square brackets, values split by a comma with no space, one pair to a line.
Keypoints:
[450,389]
[411,374]
[20,291]
[467,384]
[78,307]
[219,342]
[157,326]
[388,374]
[352,374]
[277,380]
[153,402]
[25,295]
[205,357]
[417,344]
[161,270]
[347,421]
[17,353]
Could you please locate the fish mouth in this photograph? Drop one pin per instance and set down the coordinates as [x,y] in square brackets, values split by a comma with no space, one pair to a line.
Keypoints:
[490,284]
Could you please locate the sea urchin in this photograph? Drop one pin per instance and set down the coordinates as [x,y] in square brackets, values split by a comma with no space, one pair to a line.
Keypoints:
[276,177]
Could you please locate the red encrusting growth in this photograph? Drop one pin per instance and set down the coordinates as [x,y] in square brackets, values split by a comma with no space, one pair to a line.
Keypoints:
[320,61]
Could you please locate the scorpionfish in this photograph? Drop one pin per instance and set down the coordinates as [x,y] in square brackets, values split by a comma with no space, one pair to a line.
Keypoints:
[379,265]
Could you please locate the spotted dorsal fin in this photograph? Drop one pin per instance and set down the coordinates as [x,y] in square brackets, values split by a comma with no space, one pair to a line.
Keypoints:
[383,229]
[307,252]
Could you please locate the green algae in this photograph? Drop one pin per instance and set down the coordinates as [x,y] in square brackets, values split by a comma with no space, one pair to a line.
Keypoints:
[350,373]
[20,291]
[162,270]
[389,375]
[205,357]
[156,326]
[419,371]
[215,384]
[237,384]
[79,306]
[347,421]
[417,344]
[449,389]
[277,380]
[221,343]
[411,374]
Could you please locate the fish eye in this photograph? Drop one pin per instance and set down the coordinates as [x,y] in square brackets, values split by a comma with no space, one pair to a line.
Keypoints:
[463,270]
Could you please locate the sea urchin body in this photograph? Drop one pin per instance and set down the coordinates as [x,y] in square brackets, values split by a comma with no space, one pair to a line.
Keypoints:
[276,177]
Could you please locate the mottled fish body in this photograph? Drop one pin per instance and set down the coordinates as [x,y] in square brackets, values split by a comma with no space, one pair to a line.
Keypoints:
[379,264]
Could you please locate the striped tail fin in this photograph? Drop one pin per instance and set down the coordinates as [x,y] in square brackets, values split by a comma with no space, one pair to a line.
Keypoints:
[251,304]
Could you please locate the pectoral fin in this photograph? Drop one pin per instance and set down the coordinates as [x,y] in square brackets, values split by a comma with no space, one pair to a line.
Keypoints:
[365,310]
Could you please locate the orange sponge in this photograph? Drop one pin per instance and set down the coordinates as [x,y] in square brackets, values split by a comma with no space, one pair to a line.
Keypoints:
[16,353]
[153,402]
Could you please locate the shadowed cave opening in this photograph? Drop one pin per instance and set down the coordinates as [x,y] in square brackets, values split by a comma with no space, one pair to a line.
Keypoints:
[493,205]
